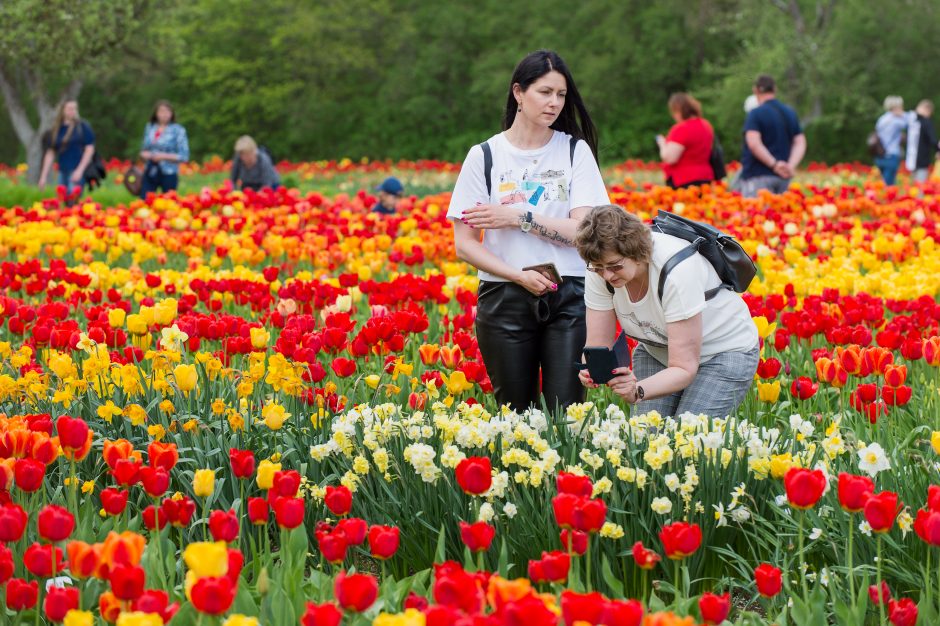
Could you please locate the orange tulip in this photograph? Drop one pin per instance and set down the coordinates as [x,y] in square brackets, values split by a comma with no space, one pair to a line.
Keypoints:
[430,353]
[123,549]
[109,607]
[115,451]
[77,454]
[895,375]
[163,455]
[932,351]
[85,559]
[877,359]
[850,358]
[451,356]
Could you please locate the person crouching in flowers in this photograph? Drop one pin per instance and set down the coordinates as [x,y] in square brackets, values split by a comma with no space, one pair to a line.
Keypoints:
[695,354]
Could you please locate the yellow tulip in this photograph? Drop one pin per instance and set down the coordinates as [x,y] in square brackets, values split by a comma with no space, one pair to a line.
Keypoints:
[411,617]
[207,558]
[372,380]
[164,312]
[935,441]
[764,328]
[240,620]
[274,415]
[78,618]
[768,392]
[259,337]
[186,377]
[457,383]
[204,482]
[116,317]
[136,324]
[266,470]
[139,618]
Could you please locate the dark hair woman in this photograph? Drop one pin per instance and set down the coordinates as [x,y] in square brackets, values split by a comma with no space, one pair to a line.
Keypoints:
[686,150]
[165,146]
[517,203]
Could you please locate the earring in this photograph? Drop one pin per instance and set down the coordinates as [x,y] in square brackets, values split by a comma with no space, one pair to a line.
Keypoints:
[520,106]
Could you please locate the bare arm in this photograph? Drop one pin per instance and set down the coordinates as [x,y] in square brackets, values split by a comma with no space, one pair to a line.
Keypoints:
[685,348]
[797,151]
[470,248]
[47,158]
[670,152]
[557,230]
[756,145]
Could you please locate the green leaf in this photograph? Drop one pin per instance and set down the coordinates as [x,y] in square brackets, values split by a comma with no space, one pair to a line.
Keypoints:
[615,584]
[440,554]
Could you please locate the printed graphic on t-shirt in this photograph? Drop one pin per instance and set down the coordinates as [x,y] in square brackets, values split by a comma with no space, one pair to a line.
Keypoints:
[648,328]
[533,188]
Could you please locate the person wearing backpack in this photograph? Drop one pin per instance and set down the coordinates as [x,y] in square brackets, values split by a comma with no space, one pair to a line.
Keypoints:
[71,145]
[252,167]
[774,143]
[698,348]
[686,151]
[890,127]
[517,203]
[165,146]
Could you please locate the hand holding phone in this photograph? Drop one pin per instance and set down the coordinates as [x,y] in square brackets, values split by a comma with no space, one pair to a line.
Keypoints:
[601,361]
[548,270]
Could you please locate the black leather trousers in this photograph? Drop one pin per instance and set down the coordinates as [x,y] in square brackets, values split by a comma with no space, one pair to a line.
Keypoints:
[521,336]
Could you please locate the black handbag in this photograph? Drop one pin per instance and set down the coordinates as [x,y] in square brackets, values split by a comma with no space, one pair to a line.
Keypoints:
[717,159]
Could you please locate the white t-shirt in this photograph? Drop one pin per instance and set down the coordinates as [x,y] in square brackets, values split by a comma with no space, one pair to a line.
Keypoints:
[726,322]
[541,181]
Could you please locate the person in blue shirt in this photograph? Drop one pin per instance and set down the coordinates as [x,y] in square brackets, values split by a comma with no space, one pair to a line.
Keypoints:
[890,126]
[71,146]
[390,192]
[774,143]
[165,146]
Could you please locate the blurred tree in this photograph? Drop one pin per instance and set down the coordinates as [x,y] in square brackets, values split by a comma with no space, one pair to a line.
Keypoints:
[48,49]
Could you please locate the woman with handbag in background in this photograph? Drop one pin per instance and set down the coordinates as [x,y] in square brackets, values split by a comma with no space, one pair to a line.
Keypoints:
[71,146]
[686,151]
[165,146]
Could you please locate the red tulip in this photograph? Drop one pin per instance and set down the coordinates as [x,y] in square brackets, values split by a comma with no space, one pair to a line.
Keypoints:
[12,522]
[354,528]
[577,539]
[474,475]
[714,608]
[154,515]
[356,592]
[383,541]
[902,612]
[804,388]
[55,523]
[126,471]
[680,539]
[563,506]
[74,437]
[223,525]
[236,560]
[29,474]
[113,501]
[338,500]
[898,396]
[179,512]
[854,491]
[332,545]
[321,615]
[414,601]
[289,512]
[163,455]
[582,607]
[769,368]
[59,601]
[877,598]
[156,601]
[456,588]
[6,564]
[22,595]
[285,483]
[881,510]
[258,511]
[127,581]
[38,560]
[243,462]
[623,613]
[933,497]
[804,487]
[769,580]
[154,480]
[574,484]
[343,367]
[645,559]
[927,526]
[555,566]
[589,515]
[213,595]
[478,536]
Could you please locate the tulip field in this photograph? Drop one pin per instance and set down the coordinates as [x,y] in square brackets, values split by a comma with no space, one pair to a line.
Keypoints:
[269,408]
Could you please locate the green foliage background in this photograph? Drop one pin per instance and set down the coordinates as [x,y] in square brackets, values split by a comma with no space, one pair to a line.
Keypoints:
[428,78]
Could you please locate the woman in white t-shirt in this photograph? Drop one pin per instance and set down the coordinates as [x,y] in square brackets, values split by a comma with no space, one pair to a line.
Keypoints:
[542,179]
[694,355]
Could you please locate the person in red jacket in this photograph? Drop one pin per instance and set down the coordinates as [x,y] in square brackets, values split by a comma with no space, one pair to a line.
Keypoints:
[686,150]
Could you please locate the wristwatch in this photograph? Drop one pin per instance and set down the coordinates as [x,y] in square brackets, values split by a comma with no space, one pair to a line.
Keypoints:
[525,222]
[639,394]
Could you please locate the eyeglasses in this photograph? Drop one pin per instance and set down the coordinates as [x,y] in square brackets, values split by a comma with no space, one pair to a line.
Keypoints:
[613,267]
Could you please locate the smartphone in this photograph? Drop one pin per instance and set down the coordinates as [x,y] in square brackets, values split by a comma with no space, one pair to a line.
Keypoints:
[548,270]
[600,361]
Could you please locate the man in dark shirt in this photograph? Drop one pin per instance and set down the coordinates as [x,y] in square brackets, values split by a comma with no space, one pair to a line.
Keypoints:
[774,143]
[390,192]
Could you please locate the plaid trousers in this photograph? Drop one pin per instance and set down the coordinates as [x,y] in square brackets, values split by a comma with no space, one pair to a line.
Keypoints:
[719,387]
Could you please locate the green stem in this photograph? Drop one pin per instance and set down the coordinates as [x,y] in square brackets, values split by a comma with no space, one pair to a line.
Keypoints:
[881,595]
[675,565]
[480,560]
[802,573]
[587,565]
[849,557]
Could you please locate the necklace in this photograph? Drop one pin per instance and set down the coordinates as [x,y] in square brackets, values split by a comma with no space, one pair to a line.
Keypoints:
[642,290]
